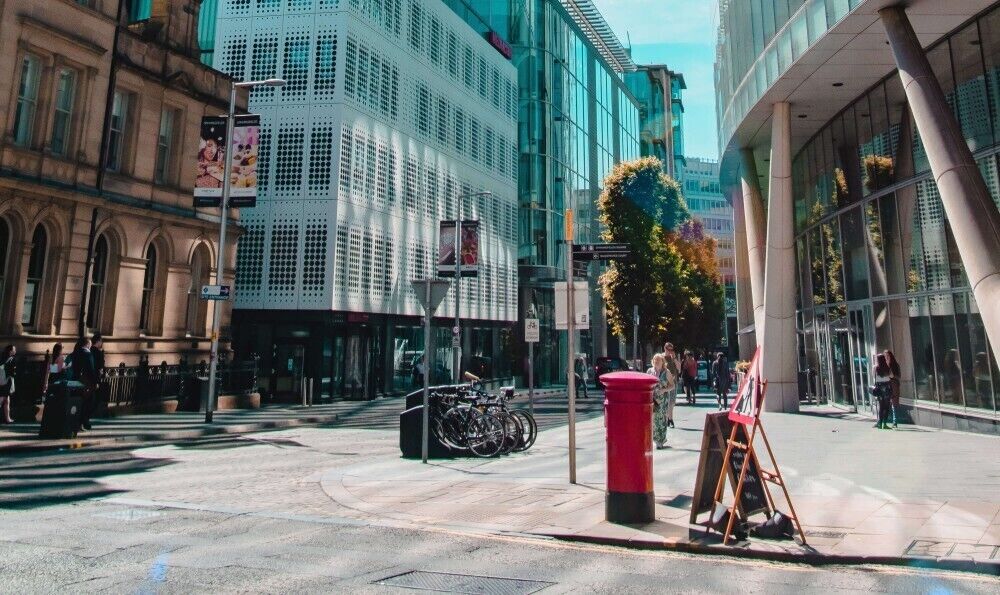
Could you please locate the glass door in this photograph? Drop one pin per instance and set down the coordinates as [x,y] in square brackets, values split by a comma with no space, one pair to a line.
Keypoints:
[841,356]
[862,345]
[288,360]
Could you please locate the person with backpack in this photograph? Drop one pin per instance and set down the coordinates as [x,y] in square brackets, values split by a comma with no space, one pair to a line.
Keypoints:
[721,380]
[7,373]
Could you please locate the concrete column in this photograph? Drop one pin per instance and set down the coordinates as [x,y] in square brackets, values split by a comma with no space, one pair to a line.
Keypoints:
[779,364]
[753,209]
[744,300]
[974,218]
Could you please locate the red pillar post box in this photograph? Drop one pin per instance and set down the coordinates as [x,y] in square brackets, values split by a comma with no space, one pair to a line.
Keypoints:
[628,417]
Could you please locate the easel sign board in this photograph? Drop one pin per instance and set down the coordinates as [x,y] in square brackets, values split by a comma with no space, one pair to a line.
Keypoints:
[746,406]
[718,429]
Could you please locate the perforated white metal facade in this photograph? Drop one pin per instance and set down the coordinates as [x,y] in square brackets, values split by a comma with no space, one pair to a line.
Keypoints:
[393,109]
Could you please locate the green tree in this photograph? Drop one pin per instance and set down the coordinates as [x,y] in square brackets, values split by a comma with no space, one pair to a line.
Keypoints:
[672,276]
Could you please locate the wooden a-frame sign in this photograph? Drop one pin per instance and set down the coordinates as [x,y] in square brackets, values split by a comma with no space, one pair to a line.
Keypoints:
[746,423]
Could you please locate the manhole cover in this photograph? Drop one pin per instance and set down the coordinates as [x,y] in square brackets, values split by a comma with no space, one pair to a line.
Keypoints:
[129,514]
[463,583]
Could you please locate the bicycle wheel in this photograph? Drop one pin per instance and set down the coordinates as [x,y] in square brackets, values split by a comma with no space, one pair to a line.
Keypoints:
[529,429]
[513,431]
[484,435]
[453,424]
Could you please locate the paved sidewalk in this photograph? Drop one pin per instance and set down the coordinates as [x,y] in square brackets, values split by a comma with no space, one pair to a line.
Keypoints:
[911,496]
[23,437]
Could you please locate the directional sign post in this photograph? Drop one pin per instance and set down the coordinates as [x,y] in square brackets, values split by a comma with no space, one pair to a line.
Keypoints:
[587,252]
[215,292]
[430,292]
[532,334]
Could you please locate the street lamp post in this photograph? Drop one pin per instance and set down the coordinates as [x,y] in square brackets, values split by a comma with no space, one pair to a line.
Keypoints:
[457,338]
[220,261]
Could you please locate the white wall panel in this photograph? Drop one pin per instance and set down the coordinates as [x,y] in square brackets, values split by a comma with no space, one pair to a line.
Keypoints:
[393,109]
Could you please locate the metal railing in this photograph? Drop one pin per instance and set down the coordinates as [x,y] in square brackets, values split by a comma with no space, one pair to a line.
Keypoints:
[148,384]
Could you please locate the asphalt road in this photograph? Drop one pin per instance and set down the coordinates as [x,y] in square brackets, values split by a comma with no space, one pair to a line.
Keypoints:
[107,547]
[246,514]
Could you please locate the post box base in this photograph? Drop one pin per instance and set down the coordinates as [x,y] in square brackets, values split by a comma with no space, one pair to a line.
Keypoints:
[629,507]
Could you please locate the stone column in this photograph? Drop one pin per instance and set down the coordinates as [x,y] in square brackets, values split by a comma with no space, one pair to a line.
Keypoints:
[744,301]
[753,210]
[779,364]
[974,218]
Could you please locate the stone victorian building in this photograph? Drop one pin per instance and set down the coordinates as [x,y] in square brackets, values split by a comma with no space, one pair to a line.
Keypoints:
[97,168]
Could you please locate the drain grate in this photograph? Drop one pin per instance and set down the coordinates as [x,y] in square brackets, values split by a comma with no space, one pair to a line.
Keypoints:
[463,583]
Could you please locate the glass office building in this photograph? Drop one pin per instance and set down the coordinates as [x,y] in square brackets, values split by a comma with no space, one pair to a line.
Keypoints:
[878,265]
[577,119]
[661,115]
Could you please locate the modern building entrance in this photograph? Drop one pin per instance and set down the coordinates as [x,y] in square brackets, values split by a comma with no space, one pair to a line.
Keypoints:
[845,338]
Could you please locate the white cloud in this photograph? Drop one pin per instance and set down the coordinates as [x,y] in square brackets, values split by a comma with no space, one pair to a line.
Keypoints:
[661,21]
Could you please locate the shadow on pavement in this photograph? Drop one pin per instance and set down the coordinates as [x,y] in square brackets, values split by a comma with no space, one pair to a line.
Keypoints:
[64,477]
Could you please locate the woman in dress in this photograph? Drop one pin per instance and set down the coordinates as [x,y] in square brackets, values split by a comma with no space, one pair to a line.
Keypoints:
[664,383]
[883,391]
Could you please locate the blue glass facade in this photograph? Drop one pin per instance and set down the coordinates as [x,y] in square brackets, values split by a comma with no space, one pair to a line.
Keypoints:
[576,120]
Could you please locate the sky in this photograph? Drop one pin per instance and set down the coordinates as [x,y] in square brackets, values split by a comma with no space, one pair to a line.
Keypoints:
[680,34]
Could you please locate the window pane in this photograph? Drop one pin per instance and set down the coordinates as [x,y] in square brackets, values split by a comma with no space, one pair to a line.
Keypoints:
[923,350]
[164,146]
[942,315]
[27,99]
[973,105]
[991,52]
[36,271]
[65,92]
[856,253]
[116,137]
[975,355]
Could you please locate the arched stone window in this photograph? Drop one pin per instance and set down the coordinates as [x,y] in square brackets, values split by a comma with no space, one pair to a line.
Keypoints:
[148,291]
[4,255]
[35,278]
[98,284]
[197,308]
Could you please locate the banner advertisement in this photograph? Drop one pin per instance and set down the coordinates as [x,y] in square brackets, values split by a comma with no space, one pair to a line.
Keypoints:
[211,159]
[469,251]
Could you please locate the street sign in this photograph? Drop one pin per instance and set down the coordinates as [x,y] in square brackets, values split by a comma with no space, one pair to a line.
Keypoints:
[601,251]
[581,301]
[439,289]
[215,292]
[531,330]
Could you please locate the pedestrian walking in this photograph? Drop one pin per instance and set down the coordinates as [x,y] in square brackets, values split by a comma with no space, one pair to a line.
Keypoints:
[882,391]
[894,379]
[83,372]
[55,369]
[689,368]
[7,373]
[663,384]
[721,380]
[675,373]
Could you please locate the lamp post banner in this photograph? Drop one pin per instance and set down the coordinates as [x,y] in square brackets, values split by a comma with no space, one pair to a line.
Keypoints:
[211,157]
[212,154]
[245,152]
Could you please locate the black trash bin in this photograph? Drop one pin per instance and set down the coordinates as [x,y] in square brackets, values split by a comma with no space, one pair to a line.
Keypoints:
[63,407]
[195,394]
[411,434]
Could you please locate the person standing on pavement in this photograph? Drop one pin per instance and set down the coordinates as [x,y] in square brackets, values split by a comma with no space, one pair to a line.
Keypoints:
[689,368]
[721,380]
[7,373]
[55,369]
[675,373]
[97,352]
[882,391]
[84,373]
[894,378]
[663,384]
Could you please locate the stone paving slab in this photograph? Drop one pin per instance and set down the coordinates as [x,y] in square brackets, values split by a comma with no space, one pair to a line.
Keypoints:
[851,510]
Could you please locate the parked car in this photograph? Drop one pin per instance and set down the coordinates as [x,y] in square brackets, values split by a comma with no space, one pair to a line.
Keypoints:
[605,365]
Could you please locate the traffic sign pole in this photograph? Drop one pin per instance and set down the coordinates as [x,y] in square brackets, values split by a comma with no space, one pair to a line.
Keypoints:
[571,344]
[531,336]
